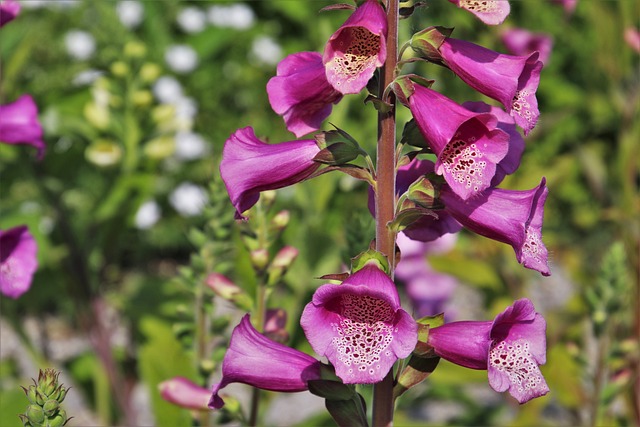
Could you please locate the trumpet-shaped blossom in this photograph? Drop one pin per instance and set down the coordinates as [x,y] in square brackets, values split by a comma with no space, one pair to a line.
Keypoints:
[185,393]
[300,92]
[18,261]
[491,12]
[359,326]
[353,53]
[256,360]
[9,9]
[511,161]
[19,124]
[469,145]
[511,80]
[511,348]
[508,216]
[250,166]
[522,42]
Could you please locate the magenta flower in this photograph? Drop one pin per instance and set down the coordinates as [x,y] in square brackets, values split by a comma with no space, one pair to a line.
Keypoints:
[511,161]
[18,261]
[512,217]
[511,348]
[256,360]
[19,124]
[491,12]
[632,38]
[522,42]
[249,166]
[300,92]
[568,5]
[359,326]
[353,53]
[185,393]
[468,145]
[511,80]
[9,9]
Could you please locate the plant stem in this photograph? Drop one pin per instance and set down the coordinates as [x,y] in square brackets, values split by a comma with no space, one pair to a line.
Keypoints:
[385,197]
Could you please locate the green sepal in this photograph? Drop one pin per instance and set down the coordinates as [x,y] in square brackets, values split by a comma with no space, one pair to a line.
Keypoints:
[411,135]
[370,256]
[432,321]
[404,86]
[427,42]
[51,407]
[416,371]
[379,104]
[339,277]
[409,215]
[337,154]
[350,412]
[423,193]
[325,139]
[332,390]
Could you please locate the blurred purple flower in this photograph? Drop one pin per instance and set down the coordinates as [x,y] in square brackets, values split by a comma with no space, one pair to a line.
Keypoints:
[353,53]
[522,42]
[511,80]
[250,166]
[511,348]
[300,92]
[185,393]
[632,37]
[19,124]
[428,290]
[511,161]
[491,12]
[468,145]
[18,261]
[9,9]
[568,5]
[256,360]
[508,216]
[359,326]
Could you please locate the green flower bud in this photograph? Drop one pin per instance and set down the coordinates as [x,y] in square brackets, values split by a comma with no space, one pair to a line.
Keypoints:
[120,69]
[35,414]
[149,72]
[51,407]
[59,420]
[135,49]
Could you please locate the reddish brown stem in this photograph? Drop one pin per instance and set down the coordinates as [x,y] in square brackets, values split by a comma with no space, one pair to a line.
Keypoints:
[385,198]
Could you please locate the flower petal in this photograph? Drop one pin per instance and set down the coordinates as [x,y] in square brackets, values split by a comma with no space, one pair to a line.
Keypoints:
[18,261]
[491,12]
[250,166]
[19,124]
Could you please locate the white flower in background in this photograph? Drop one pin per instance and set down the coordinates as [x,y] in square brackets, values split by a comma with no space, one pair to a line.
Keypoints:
[167,89]
[86,77]
[192,20]
[266,50]
[148,214]
[181,58]
[186,108]
[190,146]
[80,44]
[237,16]
[188,199]
[130,13]
[34,4]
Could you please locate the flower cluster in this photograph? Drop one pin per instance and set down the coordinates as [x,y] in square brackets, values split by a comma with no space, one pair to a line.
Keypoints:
[359,325]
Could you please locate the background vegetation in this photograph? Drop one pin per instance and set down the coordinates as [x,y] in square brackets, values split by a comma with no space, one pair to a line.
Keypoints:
[119,302]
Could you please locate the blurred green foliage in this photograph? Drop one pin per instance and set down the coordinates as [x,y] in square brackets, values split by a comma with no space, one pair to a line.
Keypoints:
[111,148]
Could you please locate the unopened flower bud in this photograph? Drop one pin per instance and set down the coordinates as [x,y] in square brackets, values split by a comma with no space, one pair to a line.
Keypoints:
[50,407]
[35,414]
[268,197]
[282,261]
[59,420]
[259,259]
[222,286]
[281,220]
[184,393]
[142,98]
[275,325]
[150,72]
[135,49]
[120,69]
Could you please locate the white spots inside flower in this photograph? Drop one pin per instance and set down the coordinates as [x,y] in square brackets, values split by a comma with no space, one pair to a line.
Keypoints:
[517,363]
[486,6]
[461,160]
[533,247]
[357,51]
[8,270]
[363,333]
[521,106]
